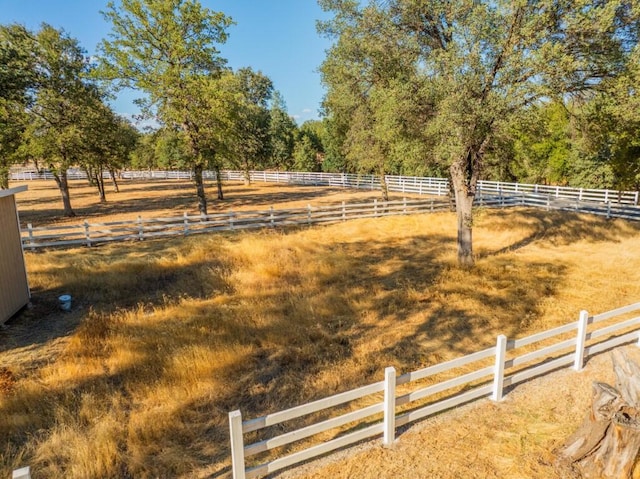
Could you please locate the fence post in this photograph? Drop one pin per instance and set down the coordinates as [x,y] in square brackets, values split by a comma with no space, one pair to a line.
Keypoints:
[308,214]
[86,233]
[548,202]
[237,444]
[231,220]
[140,228]
[375,207]
[389,406]
[498,378]
[404,206]
[344,212]
[271,218]
[581,340]
[186,223]
[31,242]
[608,210]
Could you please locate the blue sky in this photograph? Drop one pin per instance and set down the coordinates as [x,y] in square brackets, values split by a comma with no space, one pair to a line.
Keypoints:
[277,37]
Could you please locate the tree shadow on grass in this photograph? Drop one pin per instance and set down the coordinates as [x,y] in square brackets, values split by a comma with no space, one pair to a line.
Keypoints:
[557,228]
[369,305]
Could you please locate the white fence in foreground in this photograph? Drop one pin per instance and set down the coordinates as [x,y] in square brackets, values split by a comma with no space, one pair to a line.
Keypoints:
[484,373]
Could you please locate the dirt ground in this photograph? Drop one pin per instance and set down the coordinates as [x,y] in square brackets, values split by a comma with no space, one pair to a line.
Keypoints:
[482,439]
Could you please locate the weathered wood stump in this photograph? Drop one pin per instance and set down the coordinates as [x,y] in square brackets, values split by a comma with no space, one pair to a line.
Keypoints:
[607,443]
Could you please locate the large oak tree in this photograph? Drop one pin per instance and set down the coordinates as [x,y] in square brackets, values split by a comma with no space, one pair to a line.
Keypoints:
[168,50]
[468,66]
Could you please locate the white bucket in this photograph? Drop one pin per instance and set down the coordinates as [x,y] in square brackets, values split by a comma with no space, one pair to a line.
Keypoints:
[65,302]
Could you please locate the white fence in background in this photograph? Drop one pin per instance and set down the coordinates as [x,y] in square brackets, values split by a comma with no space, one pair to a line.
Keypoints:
[399,184]
[144,228]
[382,409]
[549,202]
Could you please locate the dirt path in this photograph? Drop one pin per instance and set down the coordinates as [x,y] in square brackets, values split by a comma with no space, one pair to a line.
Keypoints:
[511,439]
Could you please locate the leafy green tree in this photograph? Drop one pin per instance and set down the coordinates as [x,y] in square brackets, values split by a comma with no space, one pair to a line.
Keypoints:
[333,138]
[17,78]
[144,154]
[171,150]
[309,150]
[305,155]
[109,140]
[472,65]
[542,144]
[168,49]
[64,100]
[247,134]
[362,71]
[282,134]
[610,126]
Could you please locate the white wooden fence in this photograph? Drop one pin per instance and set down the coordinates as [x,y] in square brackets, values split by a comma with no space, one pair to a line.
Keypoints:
[89,234]
[550,202]
[402,184]
[382,409]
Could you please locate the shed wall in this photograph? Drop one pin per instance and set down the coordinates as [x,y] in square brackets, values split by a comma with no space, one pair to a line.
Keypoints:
[14,288]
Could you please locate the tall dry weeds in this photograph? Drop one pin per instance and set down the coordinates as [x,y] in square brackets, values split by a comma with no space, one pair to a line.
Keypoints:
[174,334]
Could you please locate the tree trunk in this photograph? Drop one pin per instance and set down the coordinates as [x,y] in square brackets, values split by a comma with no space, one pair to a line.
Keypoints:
[607,443]
[247,176]
[202,198]
[112,173]
[63,186]
[90,178]
[464,193]
[100,185]
[219,183]
[384,187]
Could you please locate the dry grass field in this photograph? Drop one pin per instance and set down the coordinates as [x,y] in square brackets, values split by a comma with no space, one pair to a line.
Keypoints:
[42,205]
[166,337]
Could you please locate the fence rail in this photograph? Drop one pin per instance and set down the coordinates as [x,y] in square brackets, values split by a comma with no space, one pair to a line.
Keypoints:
[485,373]
[398,184]
[89,234]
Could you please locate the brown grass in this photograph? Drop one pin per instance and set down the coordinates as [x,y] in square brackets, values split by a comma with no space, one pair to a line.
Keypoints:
[166,337]
[41,204]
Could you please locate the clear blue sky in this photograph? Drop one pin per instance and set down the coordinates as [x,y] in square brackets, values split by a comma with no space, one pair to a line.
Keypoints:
[277,37]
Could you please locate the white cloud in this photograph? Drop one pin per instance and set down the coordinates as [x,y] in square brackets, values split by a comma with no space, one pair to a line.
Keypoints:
[306,110]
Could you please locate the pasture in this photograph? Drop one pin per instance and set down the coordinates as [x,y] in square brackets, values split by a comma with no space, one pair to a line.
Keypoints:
[165,337]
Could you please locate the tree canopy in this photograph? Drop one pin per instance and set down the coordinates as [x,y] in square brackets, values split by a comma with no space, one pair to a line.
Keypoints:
[169,50]
[460,71]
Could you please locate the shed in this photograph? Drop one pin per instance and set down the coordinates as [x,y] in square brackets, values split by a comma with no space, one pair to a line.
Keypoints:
[14,287]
